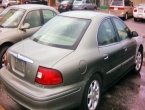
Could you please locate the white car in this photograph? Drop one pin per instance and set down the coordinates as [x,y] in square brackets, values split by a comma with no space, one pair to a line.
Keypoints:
[139,12]
[6,3]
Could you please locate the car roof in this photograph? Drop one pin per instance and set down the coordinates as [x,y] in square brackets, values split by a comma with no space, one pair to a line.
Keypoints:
[32,6]
[86,14]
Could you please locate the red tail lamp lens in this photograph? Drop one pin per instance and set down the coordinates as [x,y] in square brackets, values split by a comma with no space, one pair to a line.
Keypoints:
[48,76]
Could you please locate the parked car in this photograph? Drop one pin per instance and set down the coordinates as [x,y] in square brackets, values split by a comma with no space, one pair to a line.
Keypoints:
[71,63]
[21,21]
[121,8]
[139,12]
[84,5]
[44,2]
[6,3]
[65,5]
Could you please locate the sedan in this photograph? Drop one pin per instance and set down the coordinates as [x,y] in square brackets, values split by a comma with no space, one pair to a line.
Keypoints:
[71,63]
[65,5]
[139,12]
[21,21]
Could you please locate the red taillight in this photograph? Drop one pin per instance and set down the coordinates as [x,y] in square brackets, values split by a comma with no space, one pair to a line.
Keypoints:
[48,76]
[120,8]
[111,7]
[135,10]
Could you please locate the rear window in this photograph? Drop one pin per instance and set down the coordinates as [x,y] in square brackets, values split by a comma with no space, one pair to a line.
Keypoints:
[62,32]
[117,3]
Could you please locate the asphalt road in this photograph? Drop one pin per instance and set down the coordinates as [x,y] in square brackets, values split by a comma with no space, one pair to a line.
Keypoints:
[128,94]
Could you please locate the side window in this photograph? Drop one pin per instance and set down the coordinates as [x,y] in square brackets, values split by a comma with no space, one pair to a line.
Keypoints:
[47,15]
[33,18]
[122,29]
[106,33]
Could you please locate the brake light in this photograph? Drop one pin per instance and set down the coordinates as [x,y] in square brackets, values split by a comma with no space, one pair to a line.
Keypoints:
[111,7]
[120,8]
[48,76]
[135,10]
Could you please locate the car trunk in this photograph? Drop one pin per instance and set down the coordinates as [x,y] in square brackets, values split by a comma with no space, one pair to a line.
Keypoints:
[25,58]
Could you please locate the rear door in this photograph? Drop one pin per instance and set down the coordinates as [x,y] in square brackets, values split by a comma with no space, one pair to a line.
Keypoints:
[129,44]
[111,51]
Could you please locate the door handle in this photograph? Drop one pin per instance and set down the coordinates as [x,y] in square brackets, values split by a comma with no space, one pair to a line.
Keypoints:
[106,57]
[125,49]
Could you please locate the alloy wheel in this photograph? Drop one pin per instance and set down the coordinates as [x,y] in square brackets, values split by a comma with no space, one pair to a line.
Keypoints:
[138,61]
[93,95]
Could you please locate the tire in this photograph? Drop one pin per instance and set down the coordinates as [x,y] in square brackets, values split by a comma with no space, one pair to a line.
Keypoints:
[92,93]
[138,61]
[126,16]
[2,53]
[135,19]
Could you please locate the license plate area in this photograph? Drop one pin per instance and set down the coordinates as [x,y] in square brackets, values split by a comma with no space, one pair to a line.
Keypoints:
[140,11]
[20,65]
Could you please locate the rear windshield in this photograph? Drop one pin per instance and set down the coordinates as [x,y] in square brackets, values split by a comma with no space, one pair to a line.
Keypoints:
[117,3]
[62,32]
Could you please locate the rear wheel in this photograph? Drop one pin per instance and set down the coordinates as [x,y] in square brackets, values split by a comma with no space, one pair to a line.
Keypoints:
[138,61]
[3,56]
[126,16]
[92,93]
[135,19]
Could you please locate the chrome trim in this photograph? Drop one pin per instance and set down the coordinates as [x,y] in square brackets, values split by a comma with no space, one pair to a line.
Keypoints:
[115,68]
[127,60]
[21,57]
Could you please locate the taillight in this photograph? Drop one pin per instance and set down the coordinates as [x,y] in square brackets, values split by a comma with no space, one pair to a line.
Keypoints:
[111,7]
[48,76]
[135,10]
[120,8]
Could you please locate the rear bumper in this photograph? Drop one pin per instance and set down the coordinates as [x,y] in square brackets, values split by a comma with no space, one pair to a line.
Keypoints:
[33,97]
[119,14]
[141,16]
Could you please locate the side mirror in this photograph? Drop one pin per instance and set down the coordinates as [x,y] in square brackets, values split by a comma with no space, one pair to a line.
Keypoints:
[134,34]
[25,26]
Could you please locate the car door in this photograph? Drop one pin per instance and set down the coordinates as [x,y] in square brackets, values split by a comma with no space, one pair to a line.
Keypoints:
[35,20]
[129,44]
[111,51]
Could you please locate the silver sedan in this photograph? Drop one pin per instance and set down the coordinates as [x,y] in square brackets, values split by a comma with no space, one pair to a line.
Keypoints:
[71,61]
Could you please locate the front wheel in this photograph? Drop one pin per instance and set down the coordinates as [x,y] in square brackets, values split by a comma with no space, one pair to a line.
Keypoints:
[92,94]
[138,61]
[3,56]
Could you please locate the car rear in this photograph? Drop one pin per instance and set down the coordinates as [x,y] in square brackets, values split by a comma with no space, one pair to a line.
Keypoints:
[139,12]
[121,8]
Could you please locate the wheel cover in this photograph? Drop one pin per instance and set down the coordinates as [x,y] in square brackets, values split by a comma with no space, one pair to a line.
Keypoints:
[93,95]
[138,61]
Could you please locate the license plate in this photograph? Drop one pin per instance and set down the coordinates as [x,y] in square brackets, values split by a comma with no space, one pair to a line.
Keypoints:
[115,8]
[20,65]
[140,15]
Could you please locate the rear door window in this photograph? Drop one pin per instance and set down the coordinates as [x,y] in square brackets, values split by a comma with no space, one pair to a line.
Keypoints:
[106,33]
